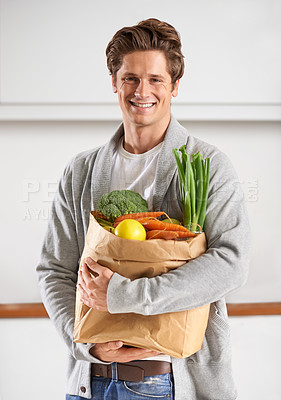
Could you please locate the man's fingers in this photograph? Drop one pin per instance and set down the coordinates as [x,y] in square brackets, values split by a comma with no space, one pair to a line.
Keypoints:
[82,284]
[151,354]
[81,277]
[91,263]
[115,351]
[83,293]
[114,345]
[96,269]
[94,287]
[94,266]
[86,278]
[85,272]
[131,352]
[142,352]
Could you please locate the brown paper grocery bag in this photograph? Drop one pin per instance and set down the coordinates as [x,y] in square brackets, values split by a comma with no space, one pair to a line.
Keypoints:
[178,334]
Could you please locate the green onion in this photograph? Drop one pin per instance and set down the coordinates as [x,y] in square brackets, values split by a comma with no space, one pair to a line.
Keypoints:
[194,186]
[201,218]
[184,183]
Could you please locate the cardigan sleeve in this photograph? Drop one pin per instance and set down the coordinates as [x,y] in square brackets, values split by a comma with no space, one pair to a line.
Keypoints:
[58,266]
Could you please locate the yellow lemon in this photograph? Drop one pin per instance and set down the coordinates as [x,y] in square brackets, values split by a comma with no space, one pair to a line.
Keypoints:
[130,229]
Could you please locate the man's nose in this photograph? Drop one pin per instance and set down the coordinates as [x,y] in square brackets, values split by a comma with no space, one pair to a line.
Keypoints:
[143,89]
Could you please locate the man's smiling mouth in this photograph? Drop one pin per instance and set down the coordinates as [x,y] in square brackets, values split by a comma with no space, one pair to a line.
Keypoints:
[142,105]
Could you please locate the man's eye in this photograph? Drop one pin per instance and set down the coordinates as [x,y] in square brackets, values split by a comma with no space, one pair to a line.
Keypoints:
[130,79]
[155,80]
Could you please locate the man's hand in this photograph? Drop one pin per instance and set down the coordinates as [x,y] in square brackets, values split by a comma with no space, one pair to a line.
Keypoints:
[116,352]
[93,291]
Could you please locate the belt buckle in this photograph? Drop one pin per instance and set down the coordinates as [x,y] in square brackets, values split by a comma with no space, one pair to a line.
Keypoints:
[130,373]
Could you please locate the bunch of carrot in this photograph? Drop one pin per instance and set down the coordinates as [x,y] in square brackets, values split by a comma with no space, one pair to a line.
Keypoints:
[194,186]
[165,230]
[155,228]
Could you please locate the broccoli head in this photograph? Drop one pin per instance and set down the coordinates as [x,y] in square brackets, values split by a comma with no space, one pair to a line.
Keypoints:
[120,202]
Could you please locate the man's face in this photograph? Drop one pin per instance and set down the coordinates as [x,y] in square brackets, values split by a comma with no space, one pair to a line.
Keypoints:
[144,88]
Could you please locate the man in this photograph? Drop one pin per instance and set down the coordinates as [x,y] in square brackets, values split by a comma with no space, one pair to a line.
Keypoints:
[146,65]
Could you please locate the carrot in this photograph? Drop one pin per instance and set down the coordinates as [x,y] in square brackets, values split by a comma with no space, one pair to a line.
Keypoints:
[98,214]
[160,234]
[153,214]
[140,220]
[156,224]
[186,234]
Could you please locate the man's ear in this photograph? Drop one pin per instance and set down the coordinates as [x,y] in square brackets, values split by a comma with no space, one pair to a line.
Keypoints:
[175,89]
[114,88]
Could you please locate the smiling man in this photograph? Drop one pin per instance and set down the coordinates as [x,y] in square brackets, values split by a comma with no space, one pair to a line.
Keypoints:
[145,88]
[146,64]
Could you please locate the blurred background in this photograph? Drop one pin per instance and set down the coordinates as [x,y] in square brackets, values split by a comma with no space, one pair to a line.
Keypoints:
[56,100]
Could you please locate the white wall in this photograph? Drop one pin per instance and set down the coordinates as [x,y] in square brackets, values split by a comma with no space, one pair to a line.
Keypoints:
[53,57]
[50,49]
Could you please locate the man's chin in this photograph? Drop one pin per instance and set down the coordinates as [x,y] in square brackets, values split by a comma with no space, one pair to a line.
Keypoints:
[142,120]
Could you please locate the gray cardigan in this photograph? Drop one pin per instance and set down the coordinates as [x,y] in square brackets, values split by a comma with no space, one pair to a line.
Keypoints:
[207,279]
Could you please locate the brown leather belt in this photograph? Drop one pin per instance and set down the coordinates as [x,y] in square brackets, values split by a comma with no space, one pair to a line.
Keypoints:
[134,371]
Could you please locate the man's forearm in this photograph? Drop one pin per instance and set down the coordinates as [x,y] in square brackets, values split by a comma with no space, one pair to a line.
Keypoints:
[212,276]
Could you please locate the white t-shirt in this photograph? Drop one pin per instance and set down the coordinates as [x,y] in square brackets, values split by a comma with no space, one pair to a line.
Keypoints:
[136,172]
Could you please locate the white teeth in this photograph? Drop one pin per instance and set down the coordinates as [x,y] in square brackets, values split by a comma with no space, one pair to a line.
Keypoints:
[142,105]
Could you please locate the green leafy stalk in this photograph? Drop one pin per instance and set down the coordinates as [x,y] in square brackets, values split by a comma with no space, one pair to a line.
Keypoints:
[192,199]
[184,157]
[198,166]
[194,185]
[184,184]
[197,171]
[206,179]
[181,174]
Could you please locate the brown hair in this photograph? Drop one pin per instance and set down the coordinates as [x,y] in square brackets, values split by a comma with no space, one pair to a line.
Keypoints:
[150,34]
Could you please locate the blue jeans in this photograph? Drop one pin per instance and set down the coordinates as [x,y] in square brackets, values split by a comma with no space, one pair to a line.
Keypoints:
[157,387]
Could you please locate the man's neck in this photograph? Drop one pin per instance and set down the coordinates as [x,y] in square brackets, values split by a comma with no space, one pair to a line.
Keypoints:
[140,139]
